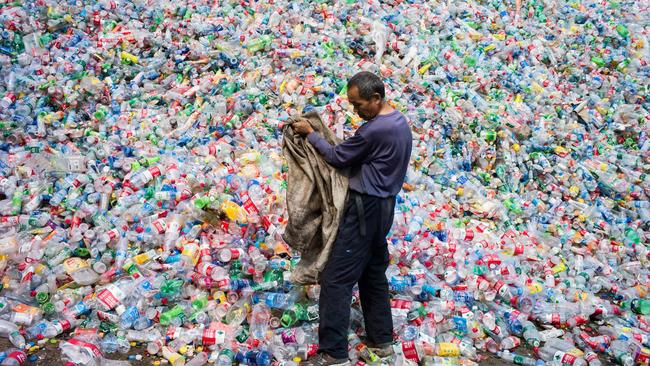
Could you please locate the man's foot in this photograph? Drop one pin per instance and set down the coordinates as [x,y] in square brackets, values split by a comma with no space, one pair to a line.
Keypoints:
[323,359]
[383,350]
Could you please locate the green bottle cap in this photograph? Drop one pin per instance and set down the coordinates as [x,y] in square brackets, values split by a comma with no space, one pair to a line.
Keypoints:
[42,297]
[200,302]
[48,308]
[81,252]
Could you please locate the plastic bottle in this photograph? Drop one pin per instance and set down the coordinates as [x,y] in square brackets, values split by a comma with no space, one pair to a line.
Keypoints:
[11,331]
[198,360]
[548,353]
[14,357]
[621,353]
[259,322]
[519,359]
[174,358]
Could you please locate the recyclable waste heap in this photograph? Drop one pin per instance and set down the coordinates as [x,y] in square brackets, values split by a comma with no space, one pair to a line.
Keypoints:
[142,187]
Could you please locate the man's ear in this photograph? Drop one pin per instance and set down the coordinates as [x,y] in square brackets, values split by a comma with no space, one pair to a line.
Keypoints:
[376,97]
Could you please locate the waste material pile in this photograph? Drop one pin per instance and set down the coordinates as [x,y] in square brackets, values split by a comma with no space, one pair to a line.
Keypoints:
[142,187]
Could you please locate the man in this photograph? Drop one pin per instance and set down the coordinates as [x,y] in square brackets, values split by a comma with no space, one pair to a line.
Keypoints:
[378,155]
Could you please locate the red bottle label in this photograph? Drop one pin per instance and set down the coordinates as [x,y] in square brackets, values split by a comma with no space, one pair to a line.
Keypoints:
[209,336]
[400,304]
[89,346]
[249,206]
[410,352]
[19,356]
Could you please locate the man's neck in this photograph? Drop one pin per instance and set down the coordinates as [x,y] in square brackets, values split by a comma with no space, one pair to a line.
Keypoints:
[385,109]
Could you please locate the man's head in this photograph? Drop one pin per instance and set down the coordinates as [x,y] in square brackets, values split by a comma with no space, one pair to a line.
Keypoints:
[366,94]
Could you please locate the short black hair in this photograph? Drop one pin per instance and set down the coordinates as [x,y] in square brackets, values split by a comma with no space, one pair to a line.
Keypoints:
[368,84]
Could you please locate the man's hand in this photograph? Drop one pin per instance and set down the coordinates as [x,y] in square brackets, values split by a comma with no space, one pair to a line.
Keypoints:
[302,127]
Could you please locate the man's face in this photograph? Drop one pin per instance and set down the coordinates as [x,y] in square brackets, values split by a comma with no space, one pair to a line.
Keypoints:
[365,108]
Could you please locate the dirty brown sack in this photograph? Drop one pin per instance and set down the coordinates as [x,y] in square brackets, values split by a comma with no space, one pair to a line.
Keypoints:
[316,194]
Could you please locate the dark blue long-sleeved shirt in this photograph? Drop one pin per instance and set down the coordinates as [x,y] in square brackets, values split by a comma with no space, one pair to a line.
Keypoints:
[378,154]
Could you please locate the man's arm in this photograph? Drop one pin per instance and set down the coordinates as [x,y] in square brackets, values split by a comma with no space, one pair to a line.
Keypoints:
[348,153]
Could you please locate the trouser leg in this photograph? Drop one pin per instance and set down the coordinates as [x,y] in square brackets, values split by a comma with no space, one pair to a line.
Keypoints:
[373,285]
[344,268]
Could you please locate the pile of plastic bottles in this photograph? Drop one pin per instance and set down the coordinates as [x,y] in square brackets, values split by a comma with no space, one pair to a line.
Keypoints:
[142,185]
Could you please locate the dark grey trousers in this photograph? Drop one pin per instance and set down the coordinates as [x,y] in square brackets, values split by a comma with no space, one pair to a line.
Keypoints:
[359,255]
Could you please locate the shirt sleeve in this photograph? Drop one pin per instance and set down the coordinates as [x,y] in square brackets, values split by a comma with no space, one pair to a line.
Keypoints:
[348,153]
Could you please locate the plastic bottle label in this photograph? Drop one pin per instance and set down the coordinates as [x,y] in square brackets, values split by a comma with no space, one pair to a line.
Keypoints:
[643,357]
[172,332]
[448,350]
[160,225]
[400,304]
[10,97]
[74,264]
[410,352]
[102,315]
[27,310]
[499,285]
[191,252]
[154,171]
[289,336]
[205,251]
[205,268]
[213,336]
[312,350]
[172,357]
[555,318]
[19,356]
[224,225]
[248,204]
[642,338]
[96,353]
[564,358]
[560,267]
[80,307]
[591,356]
[576,352]
[266,223]
[519,249]
[9,220]
[224,282]
[112,234]
[110,296]
[86,332]
[131,314]
[61,326]
[141,259]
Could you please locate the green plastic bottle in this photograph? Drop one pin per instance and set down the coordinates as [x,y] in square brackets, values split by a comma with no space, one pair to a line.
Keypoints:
[260,43]
[229,89]
[640,306]
[170,288]
[200,302]
[167,316]
[293,315]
